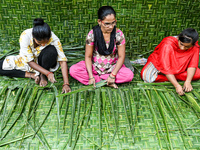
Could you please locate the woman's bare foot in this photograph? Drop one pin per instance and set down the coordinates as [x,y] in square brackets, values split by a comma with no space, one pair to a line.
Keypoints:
[113,85]
[43,80]
[32,76]
[37,79]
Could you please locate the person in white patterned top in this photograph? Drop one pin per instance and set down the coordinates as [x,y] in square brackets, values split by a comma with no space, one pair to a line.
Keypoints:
[40,55]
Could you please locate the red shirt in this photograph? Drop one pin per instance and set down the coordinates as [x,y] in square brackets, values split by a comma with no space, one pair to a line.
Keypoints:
[168,58]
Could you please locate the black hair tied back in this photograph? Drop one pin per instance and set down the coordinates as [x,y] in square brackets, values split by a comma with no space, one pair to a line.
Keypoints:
[41,30]
[189,35]
[38,21]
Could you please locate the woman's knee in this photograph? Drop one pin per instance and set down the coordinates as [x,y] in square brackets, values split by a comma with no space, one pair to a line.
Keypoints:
[129,75]
[77,68]
[51,50]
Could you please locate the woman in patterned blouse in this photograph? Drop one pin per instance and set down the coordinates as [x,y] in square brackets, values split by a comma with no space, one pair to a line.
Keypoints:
[104,53]
[40,55]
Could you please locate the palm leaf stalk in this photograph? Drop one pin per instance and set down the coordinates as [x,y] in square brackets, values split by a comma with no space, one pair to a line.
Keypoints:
[155,120]
[193,124]
[46,146]
[98,94]
[45,140]
[57,103]
[62,102]
[7,142]
[76,128]
[34,94]
[37,100]
[10,137]
[78,114]
[169,104]
[91,103]
[196,94]
[72,118]
[193,102]
[176,101]
[92,142]
[3,91]
[5,100]
[52,103]
[127,95]
[24,133]
[136,105]
[117,109]
[4,123]
[121,93]
[104,111]
[175,113]
[160,107]
[58,109]
[4,109]
[85,88]
[113,112]
[66,110]
[21,111]
[80,127]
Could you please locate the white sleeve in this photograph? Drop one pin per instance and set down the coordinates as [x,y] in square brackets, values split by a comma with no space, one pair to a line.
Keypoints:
[58,46]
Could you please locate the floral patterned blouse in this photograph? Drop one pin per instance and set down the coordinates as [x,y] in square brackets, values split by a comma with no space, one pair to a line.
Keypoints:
[29,53]
[105,64]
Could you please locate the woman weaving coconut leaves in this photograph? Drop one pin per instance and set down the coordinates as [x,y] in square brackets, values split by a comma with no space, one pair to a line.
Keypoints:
[40,55]
[175,58]
[104,53]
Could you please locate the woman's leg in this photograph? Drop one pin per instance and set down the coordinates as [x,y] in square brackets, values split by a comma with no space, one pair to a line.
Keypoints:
[11,73]
[149,74]
[17,73]
[123,75]
[79,72]
[47,59]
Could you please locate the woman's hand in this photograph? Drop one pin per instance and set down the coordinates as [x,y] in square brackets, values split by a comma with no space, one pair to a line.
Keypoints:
[179,90]
[111,81]
[66,89]
[92,81]
[187,87]
[51,78]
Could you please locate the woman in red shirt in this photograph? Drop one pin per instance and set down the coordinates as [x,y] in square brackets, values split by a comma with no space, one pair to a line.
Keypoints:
[175,58]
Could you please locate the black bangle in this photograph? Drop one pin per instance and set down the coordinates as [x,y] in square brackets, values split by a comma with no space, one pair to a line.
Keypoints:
[111,77]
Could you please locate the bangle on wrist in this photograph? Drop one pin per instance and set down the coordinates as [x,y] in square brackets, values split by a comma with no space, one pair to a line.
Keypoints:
[111,77]
[178,86]
[48,73]
[91,78]
[113,74]
[65,84]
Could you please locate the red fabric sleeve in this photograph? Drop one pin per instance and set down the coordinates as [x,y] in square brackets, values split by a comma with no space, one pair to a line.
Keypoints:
[195,59]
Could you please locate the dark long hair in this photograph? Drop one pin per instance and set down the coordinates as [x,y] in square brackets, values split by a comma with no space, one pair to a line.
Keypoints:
[41,30]
[189,35]
[98,35]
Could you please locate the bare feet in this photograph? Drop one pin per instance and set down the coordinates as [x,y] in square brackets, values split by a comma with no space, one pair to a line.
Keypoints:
[113,85]
[43,80]
[32,76]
